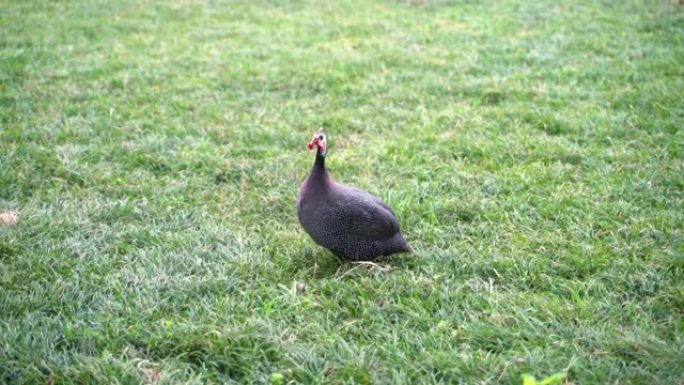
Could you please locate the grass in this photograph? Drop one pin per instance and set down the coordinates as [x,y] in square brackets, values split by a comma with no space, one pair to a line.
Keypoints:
[532,150]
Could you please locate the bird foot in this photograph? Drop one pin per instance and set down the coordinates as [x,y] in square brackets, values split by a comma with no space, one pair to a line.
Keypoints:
[343,270]
[382,268]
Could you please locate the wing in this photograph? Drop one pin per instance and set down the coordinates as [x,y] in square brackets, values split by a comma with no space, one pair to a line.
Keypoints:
[365,216]
[372,197]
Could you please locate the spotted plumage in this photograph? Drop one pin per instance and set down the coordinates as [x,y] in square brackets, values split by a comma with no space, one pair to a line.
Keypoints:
[350,222]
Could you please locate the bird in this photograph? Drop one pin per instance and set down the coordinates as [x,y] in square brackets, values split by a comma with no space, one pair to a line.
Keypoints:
[353,224]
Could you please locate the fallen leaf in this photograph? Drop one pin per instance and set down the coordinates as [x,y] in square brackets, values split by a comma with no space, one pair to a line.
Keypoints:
[9,218]
[149,376]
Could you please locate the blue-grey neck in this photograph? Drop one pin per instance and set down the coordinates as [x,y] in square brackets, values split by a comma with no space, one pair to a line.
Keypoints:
[319,175]
[320,160]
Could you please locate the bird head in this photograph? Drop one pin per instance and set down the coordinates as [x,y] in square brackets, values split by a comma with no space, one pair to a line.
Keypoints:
[318,140]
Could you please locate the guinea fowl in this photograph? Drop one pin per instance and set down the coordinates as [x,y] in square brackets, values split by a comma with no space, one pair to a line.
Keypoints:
[351,223]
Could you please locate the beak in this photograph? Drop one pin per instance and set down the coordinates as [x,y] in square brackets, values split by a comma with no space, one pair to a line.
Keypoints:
[312,143]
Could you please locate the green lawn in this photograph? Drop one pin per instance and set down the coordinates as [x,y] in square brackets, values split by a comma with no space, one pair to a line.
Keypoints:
[533,151]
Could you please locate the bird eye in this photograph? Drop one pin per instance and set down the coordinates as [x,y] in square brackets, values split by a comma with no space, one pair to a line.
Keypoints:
[320,137]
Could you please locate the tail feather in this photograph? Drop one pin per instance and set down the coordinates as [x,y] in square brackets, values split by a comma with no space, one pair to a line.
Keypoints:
[403,246]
